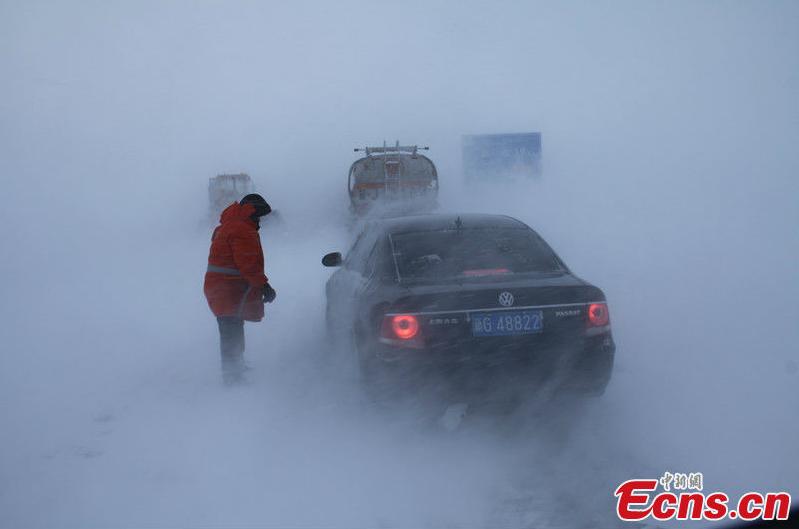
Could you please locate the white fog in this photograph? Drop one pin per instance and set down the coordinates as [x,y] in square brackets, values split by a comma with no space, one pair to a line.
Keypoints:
[670,165]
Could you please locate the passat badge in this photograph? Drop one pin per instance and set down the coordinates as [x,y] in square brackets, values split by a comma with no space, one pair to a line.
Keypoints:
[506,299]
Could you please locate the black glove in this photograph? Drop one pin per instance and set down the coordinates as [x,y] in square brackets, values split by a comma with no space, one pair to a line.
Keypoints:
[269,293]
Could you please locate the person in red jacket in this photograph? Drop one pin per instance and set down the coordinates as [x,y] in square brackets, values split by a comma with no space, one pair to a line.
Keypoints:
[235,284]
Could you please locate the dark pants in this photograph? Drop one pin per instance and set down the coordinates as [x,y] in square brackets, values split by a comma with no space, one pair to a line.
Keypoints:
[231,341]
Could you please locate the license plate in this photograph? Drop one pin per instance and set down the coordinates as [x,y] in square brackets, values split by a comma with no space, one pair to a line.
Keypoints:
[507,323]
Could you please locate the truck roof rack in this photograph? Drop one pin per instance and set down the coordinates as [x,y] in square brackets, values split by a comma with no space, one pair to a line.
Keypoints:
[394,149]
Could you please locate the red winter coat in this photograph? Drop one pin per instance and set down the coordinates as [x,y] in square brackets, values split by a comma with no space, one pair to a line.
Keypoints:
[235,278]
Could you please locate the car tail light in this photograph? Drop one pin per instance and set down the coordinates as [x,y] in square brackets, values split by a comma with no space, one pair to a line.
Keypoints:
[598,315]
[404,326]
[400,327]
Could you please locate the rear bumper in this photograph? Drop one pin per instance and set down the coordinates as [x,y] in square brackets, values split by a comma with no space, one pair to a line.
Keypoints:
[484,367]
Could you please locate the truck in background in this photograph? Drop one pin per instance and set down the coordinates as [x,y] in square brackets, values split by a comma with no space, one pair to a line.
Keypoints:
[224,189]
[396,178]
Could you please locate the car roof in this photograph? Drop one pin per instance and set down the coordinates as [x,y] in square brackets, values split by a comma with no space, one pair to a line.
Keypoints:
[444,221]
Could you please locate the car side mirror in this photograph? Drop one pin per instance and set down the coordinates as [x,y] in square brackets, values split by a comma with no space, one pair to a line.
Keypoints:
[332,259]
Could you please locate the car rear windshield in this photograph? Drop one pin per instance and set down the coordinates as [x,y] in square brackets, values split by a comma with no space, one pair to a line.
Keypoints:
[471,253]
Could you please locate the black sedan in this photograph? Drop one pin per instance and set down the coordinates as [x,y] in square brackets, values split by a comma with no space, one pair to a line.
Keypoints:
[478,304]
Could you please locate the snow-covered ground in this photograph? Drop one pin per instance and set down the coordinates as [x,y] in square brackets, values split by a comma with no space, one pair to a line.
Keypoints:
[114,414]
[670,168]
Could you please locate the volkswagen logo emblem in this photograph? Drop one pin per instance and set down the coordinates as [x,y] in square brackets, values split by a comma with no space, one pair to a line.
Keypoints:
[506,299]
